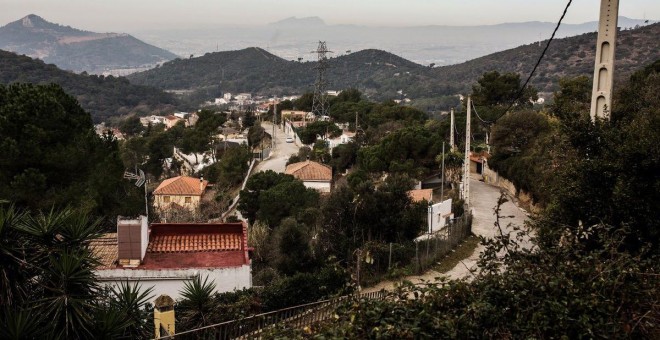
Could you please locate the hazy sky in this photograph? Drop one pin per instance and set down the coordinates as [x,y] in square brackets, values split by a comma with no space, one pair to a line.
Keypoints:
[135,15]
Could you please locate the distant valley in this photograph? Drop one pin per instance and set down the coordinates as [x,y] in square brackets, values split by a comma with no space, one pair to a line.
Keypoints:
[295,38]
[77,50]
[383,75]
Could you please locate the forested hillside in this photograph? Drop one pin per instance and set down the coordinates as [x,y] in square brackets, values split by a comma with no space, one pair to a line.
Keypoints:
[568,57]
[102,97]
[380,75]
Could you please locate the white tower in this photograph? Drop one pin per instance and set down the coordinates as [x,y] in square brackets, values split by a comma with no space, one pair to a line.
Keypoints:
[466,174]
[601,95]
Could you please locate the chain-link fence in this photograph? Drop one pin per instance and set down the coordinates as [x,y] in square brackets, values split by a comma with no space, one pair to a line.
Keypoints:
[378,260]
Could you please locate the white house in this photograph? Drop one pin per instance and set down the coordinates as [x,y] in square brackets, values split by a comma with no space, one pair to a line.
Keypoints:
[314,175]
[165,255]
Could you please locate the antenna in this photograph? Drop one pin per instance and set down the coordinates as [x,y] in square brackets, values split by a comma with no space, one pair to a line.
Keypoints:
[320,102]
[140,180]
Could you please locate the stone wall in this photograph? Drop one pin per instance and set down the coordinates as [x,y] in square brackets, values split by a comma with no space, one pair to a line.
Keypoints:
[524,199]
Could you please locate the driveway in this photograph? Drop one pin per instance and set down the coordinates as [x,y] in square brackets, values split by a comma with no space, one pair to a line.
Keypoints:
[281,152]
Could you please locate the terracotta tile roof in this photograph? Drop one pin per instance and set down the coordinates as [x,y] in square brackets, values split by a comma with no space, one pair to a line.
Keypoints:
[181,185]
[104,249]
[194,242]
[196,245]
[419,195]
[309,171]
[183,245]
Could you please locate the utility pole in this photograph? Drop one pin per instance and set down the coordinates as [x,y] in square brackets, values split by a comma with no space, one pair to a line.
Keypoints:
[466,174]
[451,134]
[442,175]
[487,142]
[272,137]
[601,95]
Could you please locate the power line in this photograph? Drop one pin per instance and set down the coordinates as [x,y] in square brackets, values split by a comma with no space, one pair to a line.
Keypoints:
[477,113]
[522,89]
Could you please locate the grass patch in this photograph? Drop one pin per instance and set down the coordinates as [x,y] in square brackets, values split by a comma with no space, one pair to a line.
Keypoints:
[463,251]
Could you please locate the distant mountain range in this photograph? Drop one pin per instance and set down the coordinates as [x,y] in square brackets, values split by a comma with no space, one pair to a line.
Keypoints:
[294,38]
[382,75]
[77,50]
[103,97]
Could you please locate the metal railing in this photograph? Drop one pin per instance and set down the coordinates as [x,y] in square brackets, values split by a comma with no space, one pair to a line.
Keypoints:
[295,317]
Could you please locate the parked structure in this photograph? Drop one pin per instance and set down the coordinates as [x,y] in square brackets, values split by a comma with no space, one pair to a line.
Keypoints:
[314,175]
[166,255]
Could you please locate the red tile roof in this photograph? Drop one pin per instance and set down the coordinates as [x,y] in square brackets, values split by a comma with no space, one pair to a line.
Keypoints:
[184,245]
[419,195]
[181,185]
[309,171]
[195,242]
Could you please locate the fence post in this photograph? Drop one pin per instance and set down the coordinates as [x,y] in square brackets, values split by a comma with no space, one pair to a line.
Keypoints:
[389,261]
[417,255]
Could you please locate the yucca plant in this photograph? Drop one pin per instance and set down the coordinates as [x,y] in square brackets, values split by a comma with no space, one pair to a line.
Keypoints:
[196,309]
[131,301]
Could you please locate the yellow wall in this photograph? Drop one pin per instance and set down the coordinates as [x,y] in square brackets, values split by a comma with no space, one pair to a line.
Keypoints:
[161,205]
[166,319]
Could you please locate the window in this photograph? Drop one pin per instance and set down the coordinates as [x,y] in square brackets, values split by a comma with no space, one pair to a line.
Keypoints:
[166,199]
[188,199]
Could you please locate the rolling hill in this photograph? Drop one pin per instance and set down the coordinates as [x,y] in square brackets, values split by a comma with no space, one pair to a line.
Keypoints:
[102,97]
[381,75]
[77,50]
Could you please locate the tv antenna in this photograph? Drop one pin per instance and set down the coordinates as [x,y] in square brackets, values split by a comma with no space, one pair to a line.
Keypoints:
[140,180]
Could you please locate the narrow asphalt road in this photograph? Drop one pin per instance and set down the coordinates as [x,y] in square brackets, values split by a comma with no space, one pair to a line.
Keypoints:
[281,152]
[483,200]
[279,156]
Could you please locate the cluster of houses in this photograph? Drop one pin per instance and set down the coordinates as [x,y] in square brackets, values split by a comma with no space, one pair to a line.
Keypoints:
[167,255]
[189,119]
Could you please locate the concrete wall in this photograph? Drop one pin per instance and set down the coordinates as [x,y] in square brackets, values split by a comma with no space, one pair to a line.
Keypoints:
[171,281]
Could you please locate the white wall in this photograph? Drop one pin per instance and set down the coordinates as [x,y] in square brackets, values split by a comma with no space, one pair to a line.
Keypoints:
[171,281]
[320,186]
[438,213]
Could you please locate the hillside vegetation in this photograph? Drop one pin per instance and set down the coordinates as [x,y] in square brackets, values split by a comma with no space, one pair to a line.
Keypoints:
[380,74]
[102,97]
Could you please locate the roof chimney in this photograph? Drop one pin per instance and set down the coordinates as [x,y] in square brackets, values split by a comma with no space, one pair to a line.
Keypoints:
[201,184]
[132,240]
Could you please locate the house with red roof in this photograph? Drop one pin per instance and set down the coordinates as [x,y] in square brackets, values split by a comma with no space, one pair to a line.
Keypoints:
[314,175]
[166,255]
[179,193]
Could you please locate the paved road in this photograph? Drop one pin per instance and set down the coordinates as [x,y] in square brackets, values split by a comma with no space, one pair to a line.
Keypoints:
[483,200]
[279,156]
[280,153]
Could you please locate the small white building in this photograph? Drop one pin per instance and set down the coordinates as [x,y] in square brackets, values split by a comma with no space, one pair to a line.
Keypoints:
[314,175]
[440,215]
[345,138]
[166,255]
